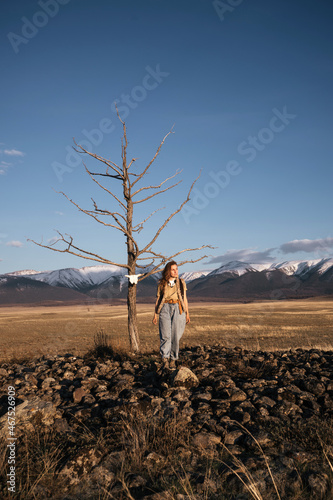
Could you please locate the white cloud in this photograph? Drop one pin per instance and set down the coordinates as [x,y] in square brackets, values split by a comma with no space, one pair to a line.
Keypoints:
[253,256]
[14,243]
[4,165]
[323,245]
[13,152]
[244,255]
[59,213]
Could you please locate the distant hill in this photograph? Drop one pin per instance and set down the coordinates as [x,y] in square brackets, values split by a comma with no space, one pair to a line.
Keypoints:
[287,280]
[234,281]
[21,290]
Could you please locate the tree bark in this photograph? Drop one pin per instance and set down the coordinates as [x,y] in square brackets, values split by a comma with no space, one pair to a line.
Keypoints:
[131,261]
[132,318]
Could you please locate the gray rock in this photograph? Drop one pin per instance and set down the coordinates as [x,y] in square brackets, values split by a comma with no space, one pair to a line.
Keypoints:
[233,437]
[31,379]
[80,465]
[205,440]
[27,412]
[184,377]
[287,408]
[153,458]
[102,476]
[69,375]
[90,383]
[78,394]
[313,385]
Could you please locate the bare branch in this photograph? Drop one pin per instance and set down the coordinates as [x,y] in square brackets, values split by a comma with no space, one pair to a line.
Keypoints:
[170,217]
[158,192]
[107,175]
[157,187]
[191,261]
[91,213]
[121,121]
[153,159]
[131,162]
[156,256]
[121,227]
[165,258]
[79,253]
[106,212]
[158,267]
[105,189]
[139,226]
[191,250]
[109,163]
[145,265]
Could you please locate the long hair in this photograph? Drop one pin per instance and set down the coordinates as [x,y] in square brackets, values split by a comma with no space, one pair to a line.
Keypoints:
[166,273]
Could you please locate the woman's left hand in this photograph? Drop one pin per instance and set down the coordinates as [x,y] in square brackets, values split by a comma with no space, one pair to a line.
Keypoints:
[187,318]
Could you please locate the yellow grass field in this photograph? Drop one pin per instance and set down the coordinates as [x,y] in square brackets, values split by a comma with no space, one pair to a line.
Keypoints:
[270,325]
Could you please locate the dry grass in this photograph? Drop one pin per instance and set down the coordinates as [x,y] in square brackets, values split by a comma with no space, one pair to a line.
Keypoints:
[270,325]
[160,453]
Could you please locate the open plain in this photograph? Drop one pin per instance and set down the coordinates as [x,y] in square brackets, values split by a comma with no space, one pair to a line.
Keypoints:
[267,325]
[247,413]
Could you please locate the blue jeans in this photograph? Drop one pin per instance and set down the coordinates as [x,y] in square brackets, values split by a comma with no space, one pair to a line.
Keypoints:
[171,326]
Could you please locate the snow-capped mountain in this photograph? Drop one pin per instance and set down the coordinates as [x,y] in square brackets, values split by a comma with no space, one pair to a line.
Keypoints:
[238,267]
[86,279]
[235,280]
[294,267]
[90,276]
[299,267]
[282,280]
[26,272]
[77,279]
[193,275]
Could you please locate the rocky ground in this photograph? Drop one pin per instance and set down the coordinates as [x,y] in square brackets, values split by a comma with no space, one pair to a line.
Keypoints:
[227,423]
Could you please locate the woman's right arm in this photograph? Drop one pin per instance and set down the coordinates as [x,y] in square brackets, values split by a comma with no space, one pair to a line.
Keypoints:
[155,313]
[156,307]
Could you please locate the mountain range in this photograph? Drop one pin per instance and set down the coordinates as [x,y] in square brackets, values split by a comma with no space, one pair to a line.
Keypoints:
[234,281]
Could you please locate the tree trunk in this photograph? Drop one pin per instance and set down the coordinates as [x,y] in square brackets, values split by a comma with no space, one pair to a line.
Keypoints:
[132,318]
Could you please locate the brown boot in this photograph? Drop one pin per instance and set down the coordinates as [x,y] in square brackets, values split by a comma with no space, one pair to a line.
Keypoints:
[165,363]
[173,364]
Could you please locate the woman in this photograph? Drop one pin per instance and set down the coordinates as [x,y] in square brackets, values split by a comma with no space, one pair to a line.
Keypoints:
[171,305]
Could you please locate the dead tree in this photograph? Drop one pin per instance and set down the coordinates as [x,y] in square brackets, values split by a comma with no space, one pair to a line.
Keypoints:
[123,222]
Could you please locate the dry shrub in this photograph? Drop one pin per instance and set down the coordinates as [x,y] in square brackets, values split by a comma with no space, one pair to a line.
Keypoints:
[101,348]
[158,449]
[312,435]
[41,452]
[141,433]
[38,455]
[243,369]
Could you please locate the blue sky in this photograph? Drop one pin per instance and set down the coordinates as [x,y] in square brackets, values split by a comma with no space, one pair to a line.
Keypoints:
[247,86]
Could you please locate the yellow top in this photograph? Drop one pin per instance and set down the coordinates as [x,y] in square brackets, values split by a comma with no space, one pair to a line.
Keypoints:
[170,292]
